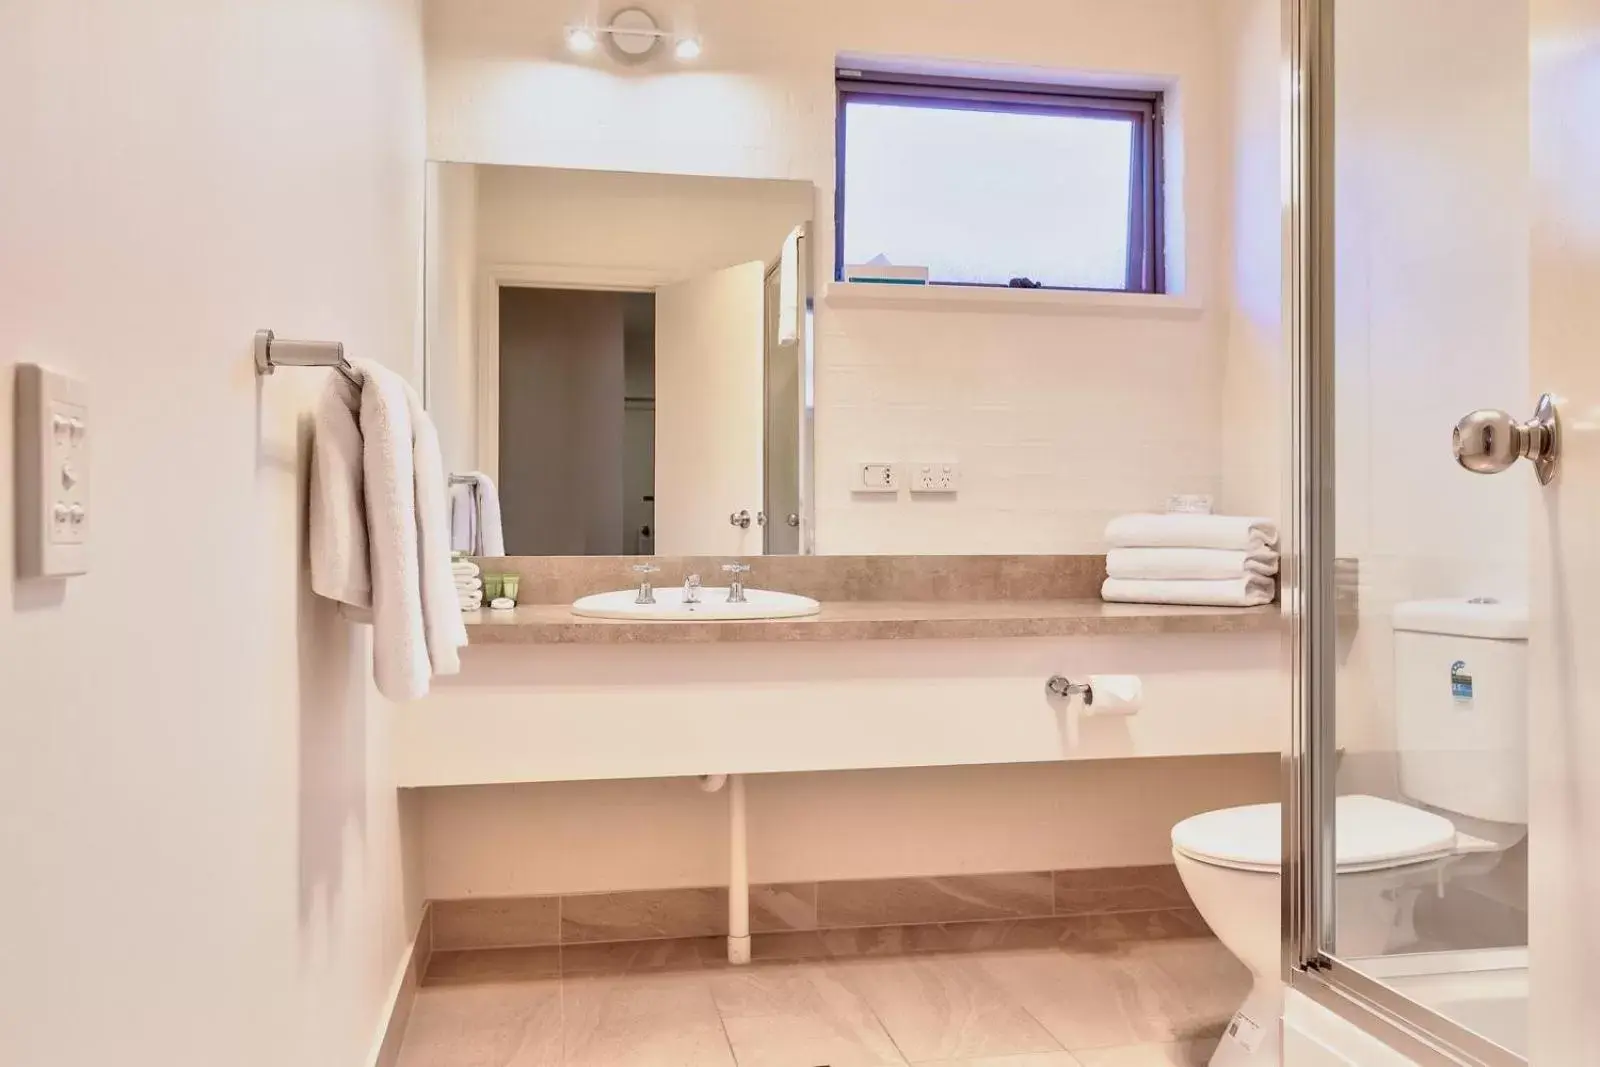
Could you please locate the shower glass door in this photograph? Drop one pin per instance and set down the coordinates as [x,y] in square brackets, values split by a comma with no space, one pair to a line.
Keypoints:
[1445,260]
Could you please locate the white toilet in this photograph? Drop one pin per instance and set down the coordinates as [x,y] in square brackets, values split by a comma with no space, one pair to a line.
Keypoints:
[1461,729]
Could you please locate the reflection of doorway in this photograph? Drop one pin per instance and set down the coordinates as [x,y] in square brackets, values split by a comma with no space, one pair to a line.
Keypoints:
[576,419]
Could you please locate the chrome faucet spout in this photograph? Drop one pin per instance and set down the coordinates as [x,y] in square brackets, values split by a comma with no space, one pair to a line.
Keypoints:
[691,589]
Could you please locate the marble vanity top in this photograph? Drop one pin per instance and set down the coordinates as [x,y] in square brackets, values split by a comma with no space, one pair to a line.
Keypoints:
[877,621]
[863,598]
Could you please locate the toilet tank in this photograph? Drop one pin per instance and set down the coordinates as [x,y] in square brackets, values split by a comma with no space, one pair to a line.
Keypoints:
[1461,706]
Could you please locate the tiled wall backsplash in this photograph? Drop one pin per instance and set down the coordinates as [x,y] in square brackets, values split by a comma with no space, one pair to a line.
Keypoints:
[1060,422]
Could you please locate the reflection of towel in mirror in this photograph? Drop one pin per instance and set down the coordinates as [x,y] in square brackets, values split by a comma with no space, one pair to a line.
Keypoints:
[475,524]
[380,540]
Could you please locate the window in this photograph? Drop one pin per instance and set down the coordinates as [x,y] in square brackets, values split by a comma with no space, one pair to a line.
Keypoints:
[984,182]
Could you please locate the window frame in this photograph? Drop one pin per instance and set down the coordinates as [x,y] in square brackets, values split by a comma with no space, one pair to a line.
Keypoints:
[1146,267]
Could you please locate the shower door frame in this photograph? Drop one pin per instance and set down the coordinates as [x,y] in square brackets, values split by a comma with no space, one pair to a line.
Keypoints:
[1309,965]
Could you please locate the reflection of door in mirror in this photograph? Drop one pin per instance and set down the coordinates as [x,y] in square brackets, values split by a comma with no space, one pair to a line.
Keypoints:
[709,369]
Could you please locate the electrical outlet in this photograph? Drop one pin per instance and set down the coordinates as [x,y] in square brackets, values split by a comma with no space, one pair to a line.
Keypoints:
[876,478]
[936,478]
[53,446]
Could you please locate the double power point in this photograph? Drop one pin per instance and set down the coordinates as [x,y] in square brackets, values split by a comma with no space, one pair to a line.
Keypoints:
[924,478]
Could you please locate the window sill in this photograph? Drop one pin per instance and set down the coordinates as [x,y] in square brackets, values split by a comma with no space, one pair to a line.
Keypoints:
[1009,301]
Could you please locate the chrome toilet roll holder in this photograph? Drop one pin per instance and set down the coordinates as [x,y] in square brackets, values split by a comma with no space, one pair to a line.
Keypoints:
[1061,686]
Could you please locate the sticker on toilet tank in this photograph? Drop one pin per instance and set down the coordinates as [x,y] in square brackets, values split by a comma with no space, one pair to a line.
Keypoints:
[1245,1031]
[1460,682]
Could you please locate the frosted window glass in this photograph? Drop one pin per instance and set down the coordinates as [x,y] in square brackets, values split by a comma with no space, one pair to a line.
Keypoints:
[987,196]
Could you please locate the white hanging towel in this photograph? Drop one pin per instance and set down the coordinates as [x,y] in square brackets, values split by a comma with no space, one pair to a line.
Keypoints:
[1189,563]
[380,536]
[1229,532]
[475,524]
[1233,593]
[789,288]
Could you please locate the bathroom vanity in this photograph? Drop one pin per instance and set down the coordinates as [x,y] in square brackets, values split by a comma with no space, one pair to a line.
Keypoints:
[911,661]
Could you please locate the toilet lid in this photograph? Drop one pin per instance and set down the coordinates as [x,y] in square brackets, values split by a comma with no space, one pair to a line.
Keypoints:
[1371,834]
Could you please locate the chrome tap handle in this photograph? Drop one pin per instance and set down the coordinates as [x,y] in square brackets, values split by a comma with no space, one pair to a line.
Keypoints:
[647,593]
[736,581]
[740,519]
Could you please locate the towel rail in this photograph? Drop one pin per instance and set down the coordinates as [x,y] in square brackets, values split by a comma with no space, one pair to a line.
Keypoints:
[272,353]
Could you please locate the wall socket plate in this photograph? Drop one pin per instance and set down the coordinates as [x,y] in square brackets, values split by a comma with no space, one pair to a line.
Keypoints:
[53,448]
[936,478]
[876,478]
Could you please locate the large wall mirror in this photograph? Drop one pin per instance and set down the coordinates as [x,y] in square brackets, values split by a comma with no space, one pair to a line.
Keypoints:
[627,356]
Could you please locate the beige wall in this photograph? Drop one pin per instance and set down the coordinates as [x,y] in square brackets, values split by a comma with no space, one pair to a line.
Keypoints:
[561,412]
[451,292]
[641,834]
[673,225]
[203,845]
[1026,403]
[1255,386]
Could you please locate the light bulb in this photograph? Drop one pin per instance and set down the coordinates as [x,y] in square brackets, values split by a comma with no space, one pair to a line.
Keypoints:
[581,39]
[687,48]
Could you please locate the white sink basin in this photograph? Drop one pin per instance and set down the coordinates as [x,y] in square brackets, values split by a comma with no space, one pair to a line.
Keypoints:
[713,606]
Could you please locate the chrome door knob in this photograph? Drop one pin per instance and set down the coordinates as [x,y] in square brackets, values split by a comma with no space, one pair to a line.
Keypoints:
[1489,441]
[740,519]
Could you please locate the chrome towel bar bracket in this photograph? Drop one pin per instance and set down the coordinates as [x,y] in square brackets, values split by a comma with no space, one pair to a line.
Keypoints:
[272,353]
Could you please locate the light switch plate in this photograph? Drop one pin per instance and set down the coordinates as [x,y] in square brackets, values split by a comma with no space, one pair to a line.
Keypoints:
[936,478]
[876,478]
[53,448]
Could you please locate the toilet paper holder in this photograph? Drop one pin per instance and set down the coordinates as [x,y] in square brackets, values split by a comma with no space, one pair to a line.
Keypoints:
[1061,686]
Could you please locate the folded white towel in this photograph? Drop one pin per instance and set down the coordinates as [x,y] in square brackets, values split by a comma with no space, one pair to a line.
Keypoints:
[1189,564]
[1233,532]
[465,568]
[380,526]
[1232,593]
[468,585]
[470,601]
[475,523]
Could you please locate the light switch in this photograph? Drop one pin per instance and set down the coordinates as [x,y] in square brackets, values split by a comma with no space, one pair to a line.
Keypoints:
[876,478]
[54,516]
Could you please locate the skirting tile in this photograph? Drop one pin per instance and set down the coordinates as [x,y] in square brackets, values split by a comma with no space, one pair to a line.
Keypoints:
[508,922]
[1109,889]
[959,898]
[635,916]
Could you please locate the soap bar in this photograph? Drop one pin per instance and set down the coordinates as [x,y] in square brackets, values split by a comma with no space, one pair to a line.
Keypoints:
[502,603]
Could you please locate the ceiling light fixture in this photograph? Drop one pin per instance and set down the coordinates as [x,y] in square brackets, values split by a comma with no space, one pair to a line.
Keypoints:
[632,36]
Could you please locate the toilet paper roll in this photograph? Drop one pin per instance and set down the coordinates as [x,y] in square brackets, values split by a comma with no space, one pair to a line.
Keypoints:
[1116,694]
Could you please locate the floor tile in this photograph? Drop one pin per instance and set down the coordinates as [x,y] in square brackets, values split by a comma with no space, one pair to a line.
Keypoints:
[944,1007]
[643,1021]
[1031,1059]
[1130,995]
[1179,1054]
[485,1026]
[798,1015]
[492,965]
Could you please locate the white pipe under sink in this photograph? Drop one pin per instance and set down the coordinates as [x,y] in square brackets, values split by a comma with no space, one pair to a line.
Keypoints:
[738,874]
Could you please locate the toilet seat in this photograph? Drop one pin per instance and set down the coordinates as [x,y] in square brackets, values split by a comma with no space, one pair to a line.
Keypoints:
[1372,834]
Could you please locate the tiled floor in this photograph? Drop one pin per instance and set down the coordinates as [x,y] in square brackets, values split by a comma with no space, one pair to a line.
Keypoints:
[1027,994]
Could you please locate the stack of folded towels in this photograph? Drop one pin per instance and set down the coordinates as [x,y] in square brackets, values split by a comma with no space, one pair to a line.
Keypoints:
[1209,560]
[469,584]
